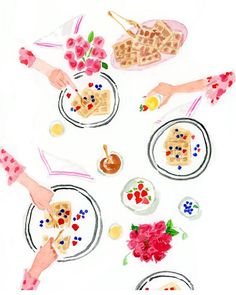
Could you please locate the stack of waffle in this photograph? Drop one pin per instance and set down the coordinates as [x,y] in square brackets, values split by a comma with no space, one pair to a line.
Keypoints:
[178,146]
[92,102]
[147,45]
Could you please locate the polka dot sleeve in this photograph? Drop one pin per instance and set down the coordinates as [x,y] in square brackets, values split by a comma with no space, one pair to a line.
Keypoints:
[218,85]
[10,165]
[29,283]
[26,57]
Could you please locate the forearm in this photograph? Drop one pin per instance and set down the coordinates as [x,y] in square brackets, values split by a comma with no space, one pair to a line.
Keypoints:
[27,181]
[43,67]
[193,86]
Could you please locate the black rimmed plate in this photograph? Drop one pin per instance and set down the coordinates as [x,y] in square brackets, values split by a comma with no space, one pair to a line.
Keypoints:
[200,150]
[83,81]
[157,280]
[90,227]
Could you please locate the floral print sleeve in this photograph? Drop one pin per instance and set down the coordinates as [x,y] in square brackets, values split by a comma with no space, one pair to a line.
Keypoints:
[218,85]
[10,165]
[29,283]
[26,57]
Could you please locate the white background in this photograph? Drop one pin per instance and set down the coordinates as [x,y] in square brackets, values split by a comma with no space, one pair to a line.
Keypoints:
[207,257]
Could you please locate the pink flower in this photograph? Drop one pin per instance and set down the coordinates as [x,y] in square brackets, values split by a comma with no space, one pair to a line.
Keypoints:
[98,41]
[69,55]
[89,71]
[80,66]
[89,62]
[79,40]
[102,54]
[79,51]
[96,66]
[150,242]
[70,43]
[86,45]
[73,64]
[95,52]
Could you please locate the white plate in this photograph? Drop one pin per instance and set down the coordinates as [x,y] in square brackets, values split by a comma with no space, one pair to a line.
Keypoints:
[158,279]
[90,227]
[156,151]
[82,82]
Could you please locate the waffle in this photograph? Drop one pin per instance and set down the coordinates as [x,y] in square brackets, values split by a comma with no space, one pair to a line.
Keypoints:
[62,244]
[170,287]
[163,32]
[172,46]
[148,55]
[178,146]
[124,53]
[104,107]
[61,215]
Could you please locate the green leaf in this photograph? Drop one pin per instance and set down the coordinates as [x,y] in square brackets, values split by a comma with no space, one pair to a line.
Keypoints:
[140,180]
[172,232]
[169,224]
[134,227]
[125,260]
[130,191]
[104,65]
[195,206]
[91,36]
[184,236]
[149,198]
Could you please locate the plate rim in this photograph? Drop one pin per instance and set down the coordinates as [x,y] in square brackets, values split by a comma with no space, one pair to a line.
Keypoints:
[98,226]
[94,124]
[158,274]
[167,125]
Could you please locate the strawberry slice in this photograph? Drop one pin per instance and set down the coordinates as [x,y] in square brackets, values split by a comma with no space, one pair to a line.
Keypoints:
[61,221]
[137,194]
[140,186]
[168,153]
[144,193]
[78,216]
[145,201]
[67,212]
[138,200]
[90,106]
[130,196]
[74,243]
[75,227]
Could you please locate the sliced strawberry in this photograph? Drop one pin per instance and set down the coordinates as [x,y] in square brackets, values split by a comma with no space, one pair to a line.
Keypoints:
[140,186]
[138,200]
[90,106]
[184,151]
[90,84]
[193,136]
[168,153]
[78,216]
[68,95]
[130,196]
[144,193]
[74,243]
[67,212]
[137,194]
[145,201]
[75,227]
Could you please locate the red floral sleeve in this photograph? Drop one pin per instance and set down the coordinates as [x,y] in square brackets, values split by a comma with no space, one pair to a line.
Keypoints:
[10,165]
[29,283]
[26,57]
[218,85]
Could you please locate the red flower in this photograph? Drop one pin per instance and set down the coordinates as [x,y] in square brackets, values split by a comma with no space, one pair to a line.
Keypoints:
[80,66]
[98,41]
[150,242]
[79,51]
[70,43]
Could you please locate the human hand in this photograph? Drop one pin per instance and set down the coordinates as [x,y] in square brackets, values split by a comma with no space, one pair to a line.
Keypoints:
[164,89]
[43,259]
[59,79]
[41,197]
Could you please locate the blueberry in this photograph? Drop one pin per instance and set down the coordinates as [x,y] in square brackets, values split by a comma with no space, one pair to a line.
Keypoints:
[177,156]
[81,212]
[65,216]
[198,145]
[47,220]
[179,167]
[85,98]
[62,210]
[86,211]
[181,135]
[79,238]
[100,85]
[75,238]
[96,85]
[187,202]
[93,100]
[72,109]
[62,242]
[195,148]
[176,130]
[191,203]
[74,219]
[195,154]
[41,225]
[41,221]
[170,148]
[177,136]
[83,216]
[92,96]
[176,147]
[180,148]
[59,213]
